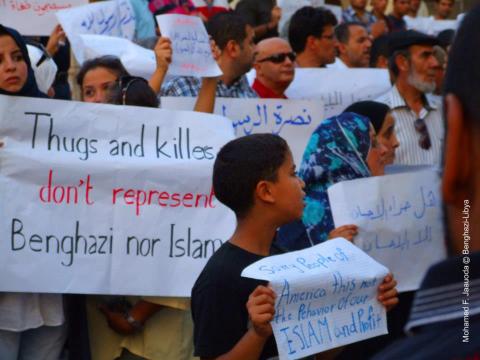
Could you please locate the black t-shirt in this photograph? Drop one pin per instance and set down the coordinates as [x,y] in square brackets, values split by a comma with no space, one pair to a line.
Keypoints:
[219,299]
[257,13]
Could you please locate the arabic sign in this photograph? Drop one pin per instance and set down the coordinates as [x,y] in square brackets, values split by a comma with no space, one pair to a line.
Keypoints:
[338,88]
[192,54]
[112,18]
[294,120]
[34,17]
[326,297]
[400,221]
[95,203]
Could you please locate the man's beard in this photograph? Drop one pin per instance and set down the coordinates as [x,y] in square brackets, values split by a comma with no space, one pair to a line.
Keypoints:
[423,86]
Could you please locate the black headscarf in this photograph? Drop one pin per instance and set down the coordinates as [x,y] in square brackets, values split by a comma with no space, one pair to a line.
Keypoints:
[30,88]
[373,110]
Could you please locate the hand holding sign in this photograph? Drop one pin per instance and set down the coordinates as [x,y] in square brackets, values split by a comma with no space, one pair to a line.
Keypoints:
[192,55]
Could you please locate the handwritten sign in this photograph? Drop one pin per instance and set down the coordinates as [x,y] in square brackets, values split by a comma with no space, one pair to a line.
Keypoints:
[400,221]
[107,199]
[112,18]
[192,54]
[338,88]
[326,297]
[294,120]
[34,17]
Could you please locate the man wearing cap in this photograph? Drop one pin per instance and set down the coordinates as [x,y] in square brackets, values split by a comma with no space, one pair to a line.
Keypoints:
[444,321]
[418,119]
[274,66]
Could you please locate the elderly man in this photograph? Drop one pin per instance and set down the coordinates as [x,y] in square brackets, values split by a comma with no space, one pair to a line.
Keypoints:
[312,37]
[418,119]
[235,40]
[353,45]
[444,321]
[274,66]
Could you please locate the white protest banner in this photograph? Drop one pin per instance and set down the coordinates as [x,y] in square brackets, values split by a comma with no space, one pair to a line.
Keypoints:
[138,60]
[399,218]
[293,120]
[338,88]
[192,54]
[112,18]
[107,199]
[34,17]
[429,25]
[326,297]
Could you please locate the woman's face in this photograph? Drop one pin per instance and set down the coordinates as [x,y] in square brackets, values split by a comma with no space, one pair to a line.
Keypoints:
[96,84]
[387,137]
[13,68]
[376,155]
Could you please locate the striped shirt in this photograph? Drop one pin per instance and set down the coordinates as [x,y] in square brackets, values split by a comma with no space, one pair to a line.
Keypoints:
[409,151]
[443,302]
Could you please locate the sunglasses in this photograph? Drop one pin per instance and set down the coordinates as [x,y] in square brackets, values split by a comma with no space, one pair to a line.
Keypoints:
[125,82]
[421,128]
[280,58]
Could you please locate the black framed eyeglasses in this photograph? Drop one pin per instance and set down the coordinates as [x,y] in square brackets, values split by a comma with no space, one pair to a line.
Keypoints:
[125,82]
[424,140]
[280,58]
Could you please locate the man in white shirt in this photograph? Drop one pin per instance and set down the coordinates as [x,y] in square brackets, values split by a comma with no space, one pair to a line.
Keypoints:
[353,46]
[418,115]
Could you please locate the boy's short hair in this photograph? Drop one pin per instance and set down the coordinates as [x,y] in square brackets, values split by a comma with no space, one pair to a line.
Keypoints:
[241,164]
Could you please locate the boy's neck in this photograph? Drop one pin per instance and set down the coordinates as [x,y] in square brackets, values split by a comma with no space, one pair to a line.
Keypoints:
[254,236]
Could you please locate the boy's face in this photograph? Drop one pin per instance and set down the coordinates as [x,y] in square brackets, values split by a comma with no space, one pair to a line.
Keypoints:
[288,191]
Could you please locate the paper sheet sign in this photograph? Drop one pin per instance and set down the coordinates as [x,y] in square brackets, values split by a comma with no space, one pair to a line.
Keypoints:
[192,55]
[111,18]
[399,219]
[107,199]
[34,17]
[293,120]
[326,297]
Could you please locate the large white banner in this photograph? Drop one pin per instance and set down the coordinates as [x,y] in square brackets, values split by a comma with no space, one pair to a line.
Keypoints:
[326,297]
[34,17]
[107,199]
[338,88]
[111,18]
[294,120]
[399,219]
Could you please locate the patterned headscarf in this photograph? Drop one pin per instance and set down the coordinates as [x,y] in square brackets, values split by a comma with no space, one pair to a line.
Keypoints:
[337,151]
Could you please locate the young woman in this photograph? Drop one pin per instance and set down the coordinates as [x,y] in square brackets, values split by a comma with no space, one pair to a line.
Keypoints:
[31,325]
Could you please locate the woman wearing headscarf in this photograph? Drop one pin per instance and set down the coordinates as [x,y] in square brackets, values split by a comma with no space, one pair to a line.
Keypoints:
[32,326]
[343,147]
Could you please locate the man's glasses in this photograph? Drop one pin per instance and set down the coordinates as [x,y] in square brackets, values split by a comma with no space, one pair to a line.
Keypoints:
[125,82]
[421,128]
[280,58]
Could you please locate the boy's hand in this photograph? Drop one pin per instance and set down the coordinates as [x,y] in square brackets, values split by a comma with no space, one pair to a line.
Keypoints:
[163,53]
[116,321]
[387,292]
[261,308]
[346,231]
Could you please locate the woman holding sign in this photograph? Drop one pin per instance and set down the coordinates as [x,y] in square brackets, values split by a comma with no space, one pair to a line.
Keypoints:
[31,325]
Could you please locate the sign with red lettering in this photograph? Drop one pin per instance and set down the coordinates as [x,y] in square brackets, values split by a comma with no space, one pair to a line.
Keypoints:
[104,199]
[34,17]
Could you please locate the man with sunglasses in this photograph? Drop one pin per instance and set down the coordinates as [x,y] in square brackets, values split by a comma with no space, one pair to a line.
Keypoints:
[274,66]
[418,120]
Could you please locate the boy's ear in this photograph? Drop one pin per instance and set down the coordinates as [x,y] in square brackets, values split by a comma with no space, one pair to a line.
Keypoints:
[263,192]
[232,48]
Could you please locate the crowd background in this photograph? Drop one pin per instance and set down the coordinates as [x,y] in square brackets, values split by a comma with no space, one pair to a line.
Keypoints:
[405,127]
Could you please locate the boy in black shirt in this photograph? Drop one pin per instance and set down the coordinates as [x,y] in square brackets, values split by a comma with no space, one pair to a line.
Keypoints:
[255,177]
